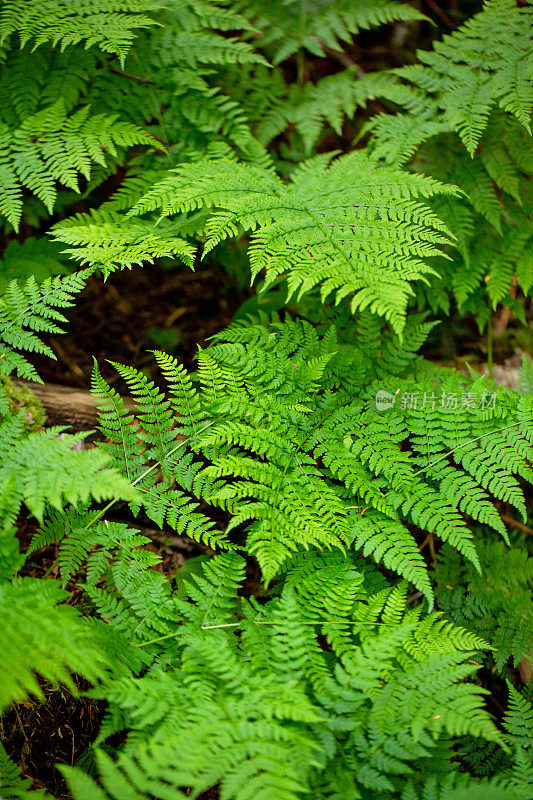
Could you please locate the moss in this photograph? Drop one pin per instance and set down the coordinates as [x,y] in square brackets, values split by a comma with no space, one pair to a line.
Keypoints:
[21,398]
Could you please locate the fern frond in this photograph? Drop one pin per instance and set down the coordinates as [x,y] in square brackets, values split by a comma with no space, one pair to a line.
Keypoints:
[108,241]
[351,227]
[495,604]
[475,68]
[12,785]
[111,26]
[140,451]
[30,309]
[35,257]
[330,24]
[518,720]
[297,465]
[46,470]
[52,146]
[40,636]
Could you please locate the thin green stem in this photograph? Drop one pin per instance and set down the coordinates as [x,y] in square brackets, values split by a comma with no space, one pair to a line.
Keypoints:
[100,514]
[490,348]
[465,444]
[300,57]
[258,622]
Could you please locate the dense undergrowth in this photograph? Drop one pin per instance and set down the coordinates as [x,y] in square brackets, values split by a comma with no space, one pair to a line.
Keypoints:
[358,622]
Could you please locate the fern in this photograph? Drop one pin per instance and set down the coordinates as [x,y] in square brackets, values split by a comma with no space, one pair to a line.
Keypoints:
[361,227]
[313,455]
[519,719]
[496,606]
[30,309]
[295,465]
[134,450]
[328,24]
[273,691]
[35,257]
[486,62]
[30,607]
[477,85]
[92,543]
[12,785]
[112,26]
[51,146]
[46,470]
[108,241]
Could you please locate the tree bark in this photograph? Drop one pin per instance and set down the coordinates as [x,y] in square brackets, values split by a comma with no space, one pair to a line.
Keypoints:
[67,406]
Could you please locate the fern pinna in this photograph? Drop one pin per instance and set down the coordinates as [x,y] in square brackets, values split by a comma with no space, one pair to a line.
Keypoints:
[281,428]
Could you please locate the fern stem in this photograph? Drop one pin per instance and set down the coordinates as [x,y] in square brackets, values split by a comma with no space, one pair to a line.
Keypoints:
[100,514]
[129,75]
[483,435]
[300,58]
[258,622]
[490,349]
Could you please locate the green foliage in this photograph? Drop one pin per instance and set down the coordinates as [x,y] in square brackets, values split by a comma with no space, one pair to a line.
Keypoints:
[286,716]
[107,240]
[43,467]
[28,310]
[290,26]
[34,257]
[496,604]
[312,651]
[40,636]
[52,146]
[352,227]
[12,785]
[68,113]
[518,721]
[295,464]
[486,62]
[111,26]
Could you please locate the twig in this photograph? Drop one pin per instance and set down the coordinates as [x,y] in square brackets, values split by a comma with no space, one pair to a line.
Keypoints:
[130,75]
[342,58]
[516,524]
[440,13]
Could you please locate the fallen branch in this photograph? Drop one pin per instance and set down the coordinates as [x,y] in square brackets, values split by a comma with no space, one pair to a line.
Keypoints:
[67,406]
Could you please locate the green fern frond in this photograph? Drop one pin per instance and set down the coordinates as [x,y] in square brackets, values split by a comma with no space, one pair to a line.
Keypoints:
[352,227]
[40,636]
[330,24]
[12,785]
[475,68]
[495,604]
[464,788]
[275,691]
[111,26]
[51,147]
[518,720]
[108,241]
[139,451]
[295,465]
[47,470]
[87,542]
[35,257]
[30,309]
